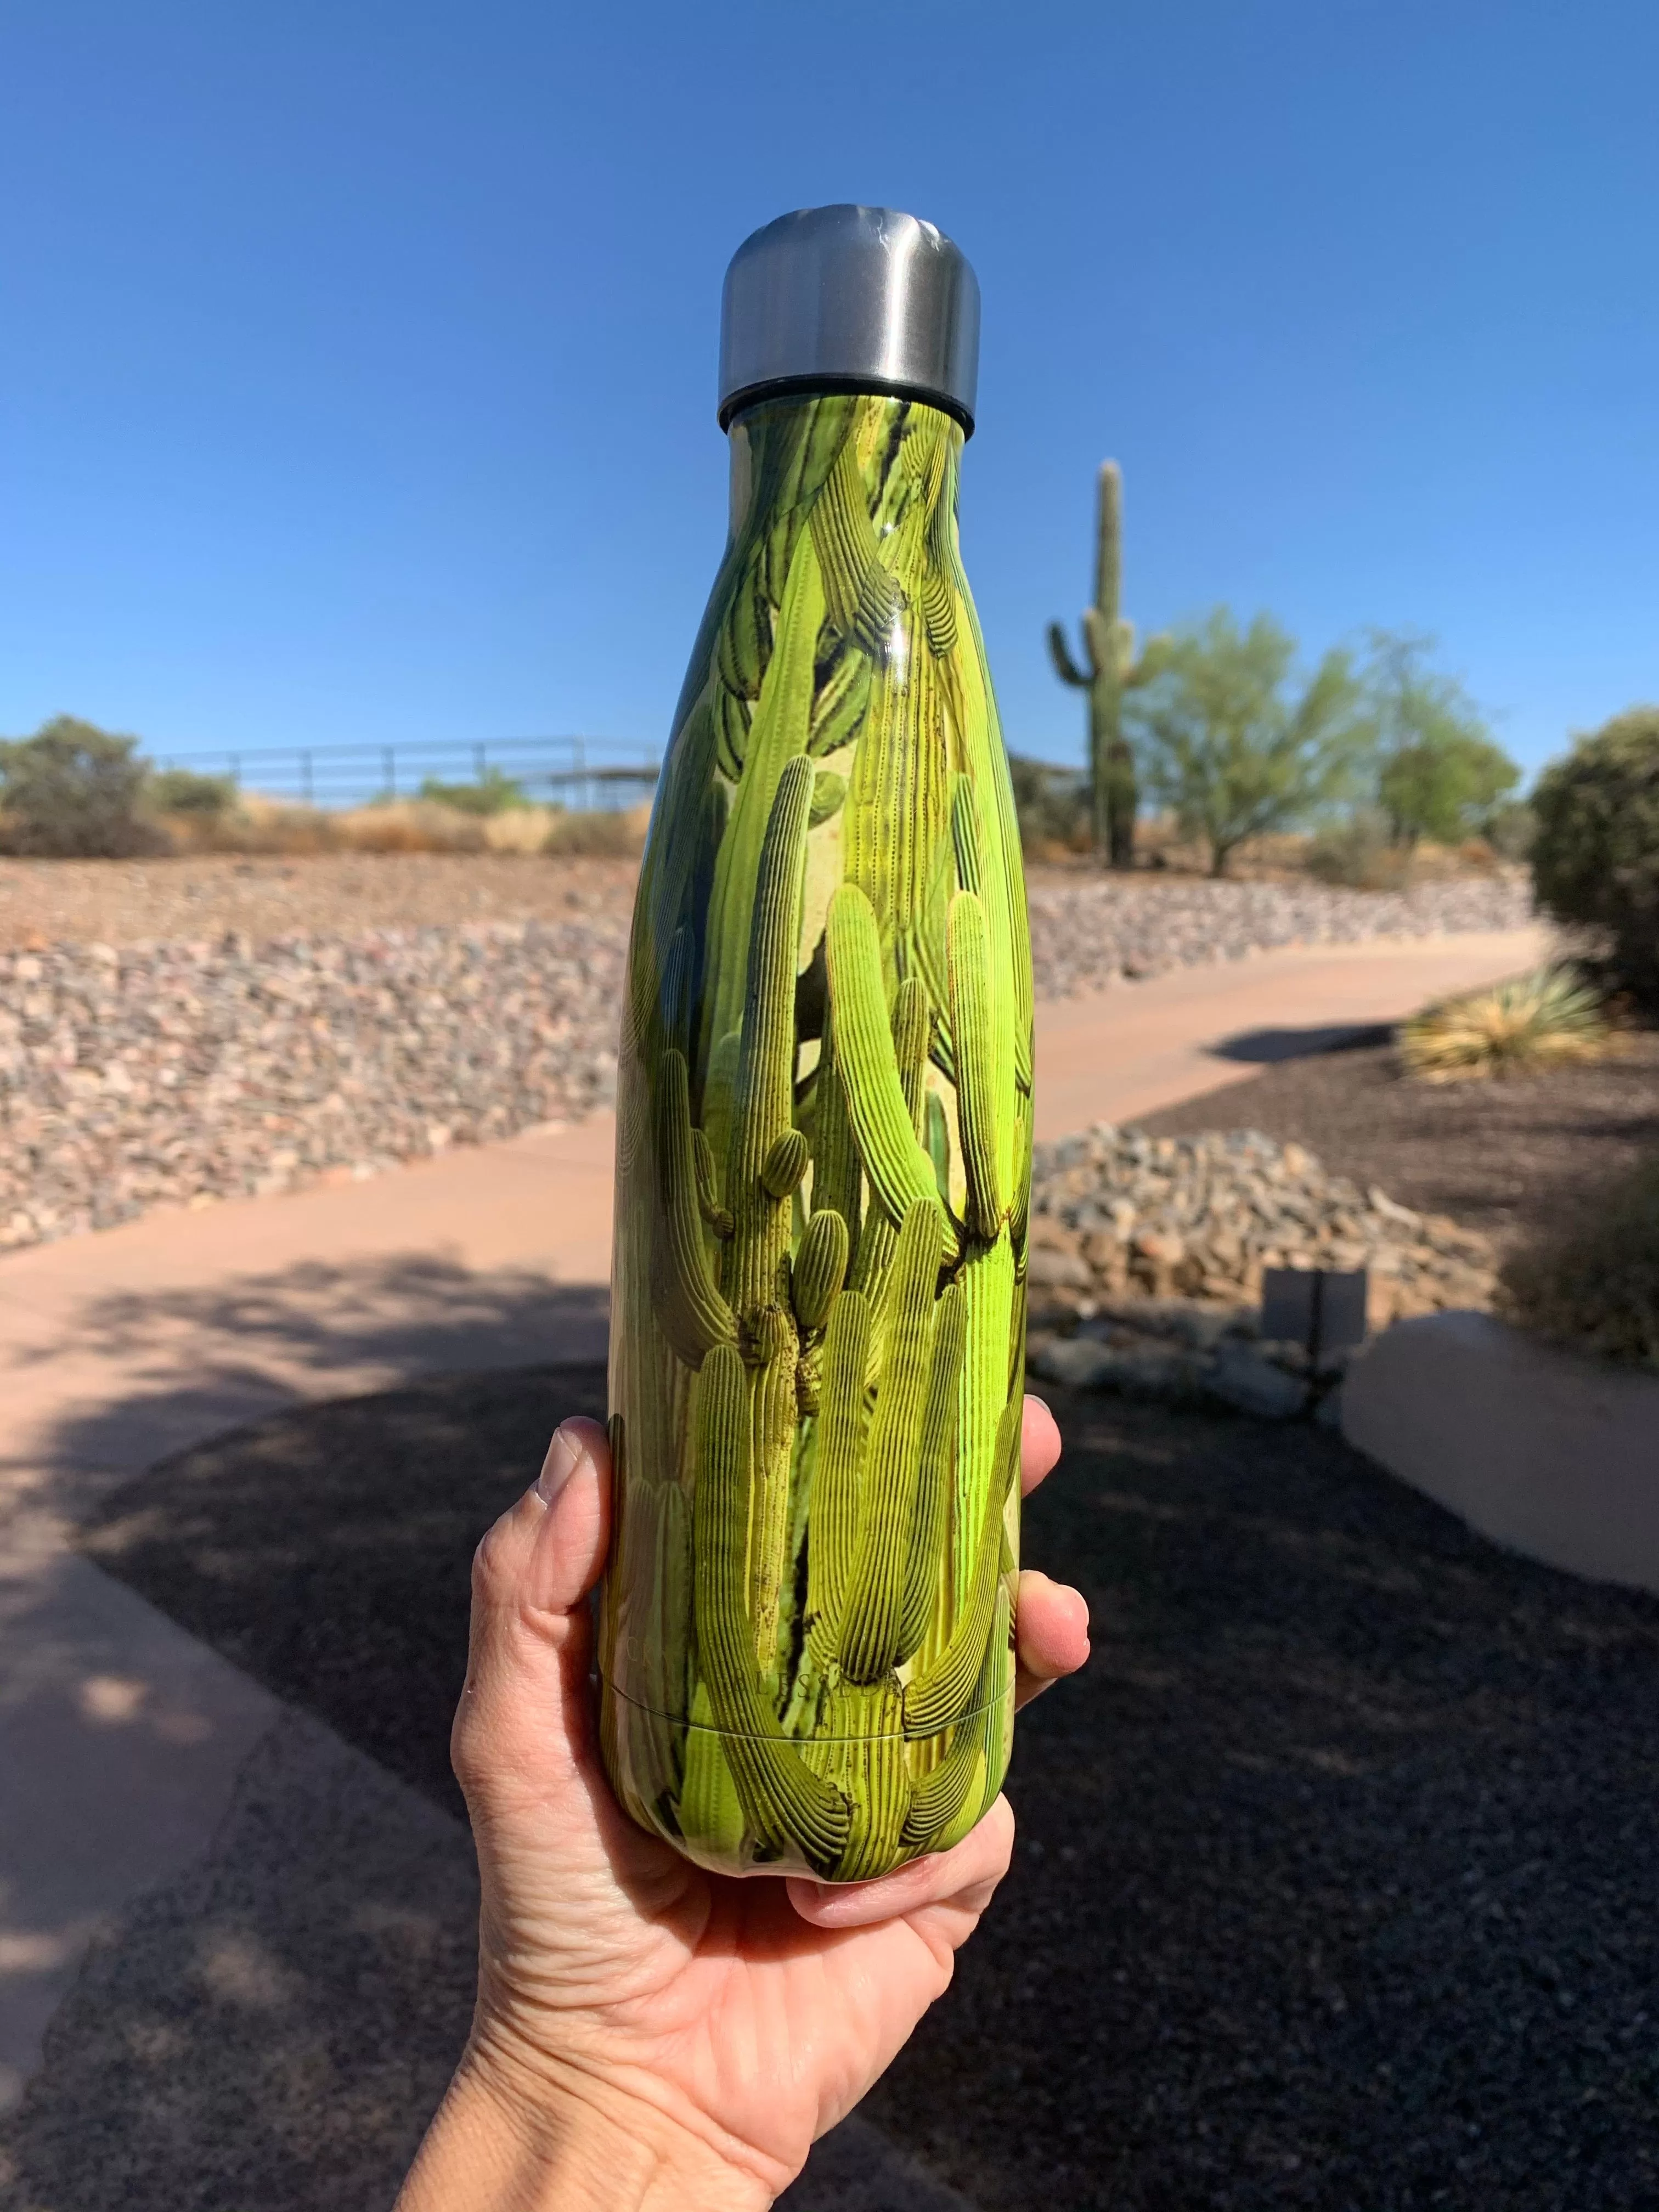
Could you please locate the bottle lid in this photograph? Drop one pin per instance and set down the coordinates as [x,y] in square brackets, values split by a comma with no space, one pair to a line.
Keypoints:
[850,299]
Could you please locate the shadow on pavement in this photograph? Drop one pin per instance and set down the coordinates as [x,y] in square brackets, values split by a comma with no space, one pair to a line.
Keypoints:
[1268,1048]
[177,1366]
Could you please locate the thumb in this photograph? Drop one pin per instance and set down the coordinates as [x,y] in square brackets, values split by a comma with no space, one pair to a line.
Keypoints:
[528,1653]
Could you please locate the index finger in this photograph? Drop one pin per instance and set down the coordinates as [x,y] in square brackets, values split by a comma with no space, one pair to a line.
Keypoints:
[1039,1444]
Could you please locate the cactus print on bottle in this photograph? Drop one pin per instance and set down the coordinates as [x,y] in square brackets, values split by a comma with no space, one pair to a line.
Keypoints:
[823,1166]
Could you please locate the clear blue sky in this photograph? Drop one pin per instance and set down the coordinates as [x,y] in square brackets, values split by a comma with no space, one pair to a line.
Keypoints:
[357,356]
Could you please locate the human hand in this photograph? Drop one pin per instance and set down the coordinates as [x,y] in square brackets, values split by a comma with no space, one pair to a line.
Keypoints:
[647,2032]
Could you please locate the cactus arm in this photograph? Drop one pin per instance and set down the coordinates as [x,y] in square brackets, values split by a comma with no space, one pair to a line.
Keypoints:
[898,793]
[839,706]
[943,1795]
[775,1415]
[730,731]
[931,1526]
[1065,667]
[910,1026]
[777,736]
[710,1809]
[695,1316]
[785,1801]
[784,1164]
[820,1267]
[977,1102]
[766,1056]
[836,1173]
[875,1597]
[968,836]
[935,1699]
[894,1159]
[844,539]
[832,1527]
[708,1186]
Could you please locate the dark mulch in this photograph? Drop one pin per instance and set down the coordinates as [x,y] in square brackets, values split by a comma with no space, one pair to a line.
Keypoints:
[1502,1157]
[327,1552]
[1335,1880]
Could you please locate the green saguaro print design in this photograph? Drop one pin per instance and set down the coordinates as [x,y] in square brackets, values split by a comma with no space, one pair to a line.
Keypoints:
[823,1161]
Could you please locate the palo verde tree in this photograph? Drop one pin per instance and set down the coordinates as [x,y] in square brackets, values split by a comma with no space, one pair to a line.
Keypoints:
[1226,746]
[1439,773]
[1110,667]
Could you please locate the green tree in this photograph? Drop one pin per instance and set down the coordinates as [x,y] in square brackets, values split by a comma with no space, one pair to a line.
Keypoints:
[1439,773]
[74,791]
[1226,745]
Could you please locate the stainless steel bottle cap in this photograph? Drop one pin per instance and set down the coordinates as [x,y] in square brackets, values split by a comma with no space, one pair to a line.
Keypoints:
[850,299]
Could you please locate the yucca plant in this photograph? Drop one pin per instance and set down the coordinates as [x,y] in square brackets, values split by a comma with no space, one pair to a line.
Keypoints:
[823,1161]
[1537,1021]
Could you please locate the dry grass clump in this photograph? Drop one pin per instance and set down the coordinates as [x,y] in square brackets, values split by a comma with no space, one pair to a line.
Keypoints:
[1538,1021]
[260,824]
[1595,1285]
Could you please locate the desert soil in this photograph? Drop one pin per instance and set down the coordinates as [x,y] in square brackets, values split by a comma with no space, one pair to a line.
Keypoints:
[329,894]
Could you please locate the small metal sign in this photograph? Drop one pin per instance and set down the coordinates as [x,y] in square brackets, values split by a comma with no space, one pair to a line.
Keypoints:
[1321,1308]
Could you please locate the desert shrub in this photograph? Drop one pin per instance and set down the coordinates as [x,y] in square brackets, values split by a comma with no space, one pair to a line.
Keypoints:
[1358,853]
[1510,828]
[491,792]
[600,833]
[1538,1021]
[1594,1283]
[521,829]
[408,825]
[74,791]
[1051,805]
[1596,858]
[181,791]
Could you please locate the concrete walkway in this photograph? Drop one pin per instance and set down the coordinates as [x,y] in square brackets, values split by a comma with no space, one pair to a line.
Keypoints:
[121,1737]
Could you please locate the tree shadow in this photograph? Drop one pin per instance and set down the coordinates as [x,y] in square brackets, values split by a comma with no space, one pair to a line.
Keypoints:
[188,1364]
[1268,1047]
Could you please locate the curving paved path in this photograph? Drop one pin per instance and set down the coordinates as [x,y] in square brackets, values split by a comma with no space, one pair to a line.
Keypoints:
[120,1736]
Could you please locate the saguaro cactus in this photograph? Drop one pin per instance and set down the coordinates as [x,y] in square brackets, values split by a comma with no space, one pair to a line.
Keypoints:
[1110,668]
[823,1156]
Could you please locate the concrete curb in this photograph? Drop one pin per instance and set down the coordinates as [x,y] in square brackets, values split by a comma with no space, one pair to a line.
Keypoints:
[1553,1456]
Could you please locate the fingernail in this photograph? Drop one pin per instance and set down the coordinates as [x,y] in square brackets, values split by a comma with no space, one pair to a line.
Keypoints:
[563,1455]
[1044,1402]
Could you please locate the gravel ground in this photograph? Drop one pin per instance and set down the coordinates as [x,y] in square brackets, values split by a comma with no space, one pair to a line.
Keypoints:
[138,1070]
[1088,931]
[1333,1887]
[192,1072]
[1500,1157]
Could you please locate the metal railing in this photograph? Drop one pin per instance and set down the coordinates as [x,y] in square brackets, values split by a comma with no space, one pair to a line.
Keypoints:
[584,773]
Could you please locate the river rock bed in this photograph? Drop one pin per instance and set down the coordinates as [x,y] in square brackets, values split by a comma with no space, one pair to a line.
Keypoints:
[1148,1253]
[1090,930]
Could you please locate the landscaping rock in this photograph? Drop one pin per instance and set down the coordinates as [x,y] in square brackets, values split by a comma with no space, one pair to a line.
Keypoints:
[1148,1256]
[183,1074]
[184,1071]
[1199,1219]
[1248,1380]
[1090,931]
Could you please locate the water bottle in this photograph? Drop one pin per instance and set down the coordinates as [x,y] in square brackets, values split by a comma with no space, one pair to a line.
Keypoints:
[825,1116]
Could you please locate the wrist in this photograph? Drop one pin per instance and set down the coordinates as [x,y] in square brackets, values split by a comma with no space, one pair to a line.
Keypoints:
[511,2137]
